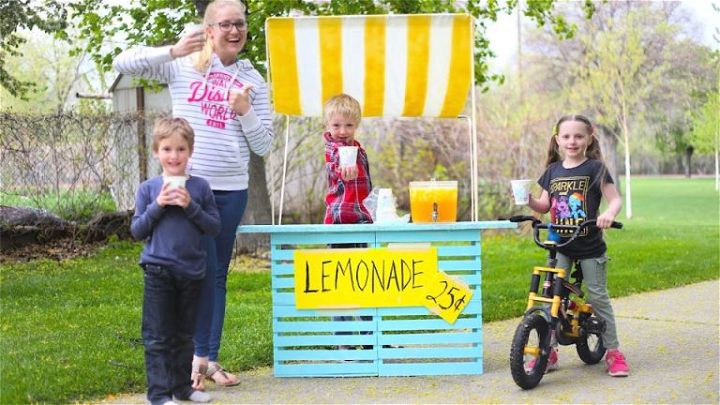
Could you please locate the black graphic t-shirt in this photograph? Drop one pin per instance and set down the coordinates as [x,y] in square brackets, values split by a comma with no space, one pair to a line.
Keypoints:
[575,196]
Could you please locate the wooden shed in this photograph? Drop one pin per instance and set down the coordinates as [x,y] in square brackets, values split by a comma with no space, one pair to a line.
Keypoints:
[140,105]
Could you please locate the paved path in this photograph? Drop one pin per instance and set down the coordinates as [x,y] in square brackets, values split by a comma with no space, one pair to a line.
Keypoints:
[670,338]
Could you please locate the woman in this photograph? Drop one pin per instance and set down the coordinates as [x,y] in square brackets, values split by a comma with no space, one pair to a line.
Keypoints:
[226,102]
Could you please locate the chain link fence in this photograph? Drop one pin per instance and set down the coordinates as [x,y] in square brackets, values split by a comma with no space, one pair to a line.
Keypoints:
[71,164]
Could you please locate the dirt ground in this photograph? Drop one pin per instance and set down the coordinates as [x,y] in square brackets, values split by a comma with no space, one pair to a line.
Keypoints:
[60,249]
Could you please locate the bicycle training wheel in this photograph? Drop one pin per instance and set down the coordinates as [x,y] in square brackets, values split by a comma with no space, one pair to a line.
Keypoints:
[590,348]
[527,361]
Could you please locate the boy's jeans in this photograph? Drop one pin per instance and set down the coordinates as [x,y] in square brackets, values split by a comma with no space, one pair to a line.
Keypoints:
[211,313]
[168,322]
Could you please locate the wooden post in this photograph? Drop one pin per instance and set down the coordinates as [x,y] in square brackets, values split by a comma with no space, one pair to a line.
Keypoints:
[142,141]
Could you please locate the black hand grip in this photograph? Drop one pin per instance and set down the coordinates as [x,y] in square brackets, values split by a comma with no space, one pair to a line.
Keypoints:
[521,218]
[616,225]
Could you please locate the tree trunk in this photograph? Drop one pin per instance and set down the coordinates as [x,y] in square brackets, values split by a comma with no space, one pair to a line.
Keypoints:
[608,144]
[717,168]
[200,6]
[688,156]
[628,197]
[258,208]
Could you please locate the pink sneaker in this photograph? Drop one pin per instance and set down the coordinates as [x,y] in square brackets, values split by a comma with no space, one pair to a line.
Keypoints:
[551,365]
[616,365]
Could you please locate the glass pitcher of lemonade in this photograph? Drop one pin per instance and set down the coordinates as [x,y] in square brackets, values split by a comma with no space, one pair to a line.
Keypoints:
[429,196]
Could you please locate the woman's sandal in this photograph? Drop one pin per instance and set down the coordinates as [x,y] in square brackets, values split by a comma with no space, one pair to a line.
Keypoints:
[219,376]
[197,375]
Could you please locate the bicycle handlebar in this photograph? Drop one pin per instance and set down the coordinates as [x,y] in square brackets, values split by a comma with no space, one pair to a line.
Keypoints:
[537,225]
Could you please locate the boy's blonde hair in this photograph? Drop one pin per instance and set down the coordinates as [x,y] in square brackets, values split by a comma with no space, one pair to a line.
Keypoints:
[202,58]
[167,126]
[344,105]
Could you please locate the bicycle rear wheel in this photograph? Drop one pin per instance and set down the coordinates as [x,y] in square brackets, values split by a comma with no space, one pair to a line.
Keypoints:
[529,351]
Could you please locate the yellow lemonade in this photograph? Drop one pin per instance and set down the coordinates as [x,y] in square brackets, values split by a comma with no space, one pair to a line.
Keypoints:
[424,194]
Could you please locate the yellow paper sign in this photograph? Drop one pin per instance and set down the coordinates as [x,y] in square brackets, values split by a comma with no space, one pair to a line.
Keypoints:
[377,277]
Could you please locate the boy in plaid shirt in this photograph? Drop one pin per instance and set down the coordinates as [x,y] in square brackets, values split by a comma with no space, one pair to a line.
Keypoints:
[348,186]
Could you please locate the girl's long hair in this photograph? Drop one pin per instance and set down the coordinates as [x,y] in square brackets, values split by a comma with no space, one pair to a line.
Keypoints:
[201,59]
[593,151]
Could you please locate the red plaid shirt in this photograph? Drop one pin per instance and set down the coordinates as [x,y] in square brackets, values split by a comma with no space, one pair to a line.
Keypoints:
[344,198]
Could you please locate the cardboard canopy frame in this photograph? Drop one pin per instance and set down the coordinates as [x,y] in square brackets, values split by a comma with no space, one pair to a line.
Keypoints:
[418,65]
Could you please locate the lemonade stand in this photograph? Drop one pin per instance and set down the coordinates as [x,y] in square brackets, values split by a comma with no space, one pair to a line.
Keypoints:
[410,301]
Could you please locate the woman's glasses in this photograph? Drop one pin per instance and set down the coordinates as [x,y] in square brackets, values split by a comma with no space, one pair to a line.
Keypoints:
[227,26]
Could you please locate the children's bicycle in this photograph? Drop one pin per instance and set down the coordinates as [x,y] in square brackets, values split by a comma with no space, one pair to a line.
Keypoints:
[558,311]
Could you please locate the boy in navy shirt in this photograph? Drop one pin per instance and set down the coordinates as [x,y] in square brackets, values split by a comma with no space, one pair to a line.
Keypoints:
[172,213]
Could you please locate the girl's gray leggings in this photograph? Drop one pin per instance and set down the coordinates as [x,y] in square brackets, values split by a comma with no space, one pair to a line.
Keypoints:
[595,279]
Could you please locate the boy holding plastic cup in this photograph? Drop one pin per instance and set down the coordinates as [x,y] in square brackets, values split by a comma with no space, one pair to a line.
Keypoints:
[346,163]
[348,174]
[172,212]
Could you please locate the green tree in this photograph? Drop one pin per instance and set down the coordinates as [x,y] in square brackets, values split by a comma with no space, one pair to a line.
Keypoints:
[630,68]
[47,15]
[705,136]
[55,75]
[156,22]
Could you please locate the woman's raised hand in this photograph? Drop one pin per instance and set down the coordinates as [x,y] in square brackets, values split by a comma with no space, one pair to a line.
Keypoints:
[240,100]
[189,43]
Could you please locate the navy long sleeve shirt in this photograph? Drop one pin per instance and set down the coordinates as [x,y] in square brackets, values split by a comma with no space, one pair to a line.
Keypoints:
[172,233]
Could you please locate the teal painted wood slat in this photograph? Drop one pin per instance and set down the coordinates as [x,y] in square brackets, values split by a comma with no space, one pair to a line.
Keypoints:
[450,265]
[282,340]
[428,236]
[459,250]
[279,255]
[324,326]
[416,369]
[449,227]
[326,369]
[314,355]
[428,324]
[283,269]
[323,238]
[460,337]
[291,311]
[437,352]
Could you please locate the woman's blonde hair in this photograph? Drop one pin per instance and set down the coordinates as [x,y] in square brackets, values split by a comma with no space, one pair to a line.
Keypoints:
[202,58]
[344,105]
[593,150]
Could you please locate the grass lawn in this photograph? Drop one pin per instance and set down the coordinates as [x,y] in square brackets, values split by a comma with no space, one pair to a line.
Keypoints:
[71,329]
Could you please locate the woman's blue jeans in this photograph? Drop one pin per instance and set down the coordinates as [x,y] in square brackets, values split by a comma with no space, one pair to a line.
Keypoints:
[211,311]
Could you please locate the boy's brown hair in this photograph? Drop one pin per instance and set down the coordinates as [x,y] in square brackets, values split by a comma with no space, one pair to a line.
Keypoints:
[344,105]
[168,126]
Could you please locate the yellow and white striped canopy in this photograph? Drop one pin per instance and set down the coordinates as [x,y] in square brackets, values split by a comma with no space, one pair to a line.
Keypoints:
[395,65]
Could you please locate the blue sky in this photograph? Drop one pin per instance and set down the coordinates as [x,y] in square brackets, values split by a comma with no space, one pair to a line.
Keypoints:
[503,34]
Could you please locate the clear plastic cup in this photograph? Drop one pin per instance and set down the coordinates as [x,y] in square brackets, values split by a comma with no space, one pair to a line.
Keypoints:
[521,191]
[348,155]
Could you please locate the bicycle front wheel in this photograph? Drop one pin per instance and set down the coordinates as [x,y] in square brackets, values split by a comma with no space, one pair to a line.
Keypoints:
[529,351]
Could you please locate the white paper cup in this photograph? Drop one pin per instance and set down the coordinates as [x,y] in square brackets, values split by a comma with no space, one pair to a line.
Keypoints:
[175,181]
[521,191]
[348,155]
[193,28]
